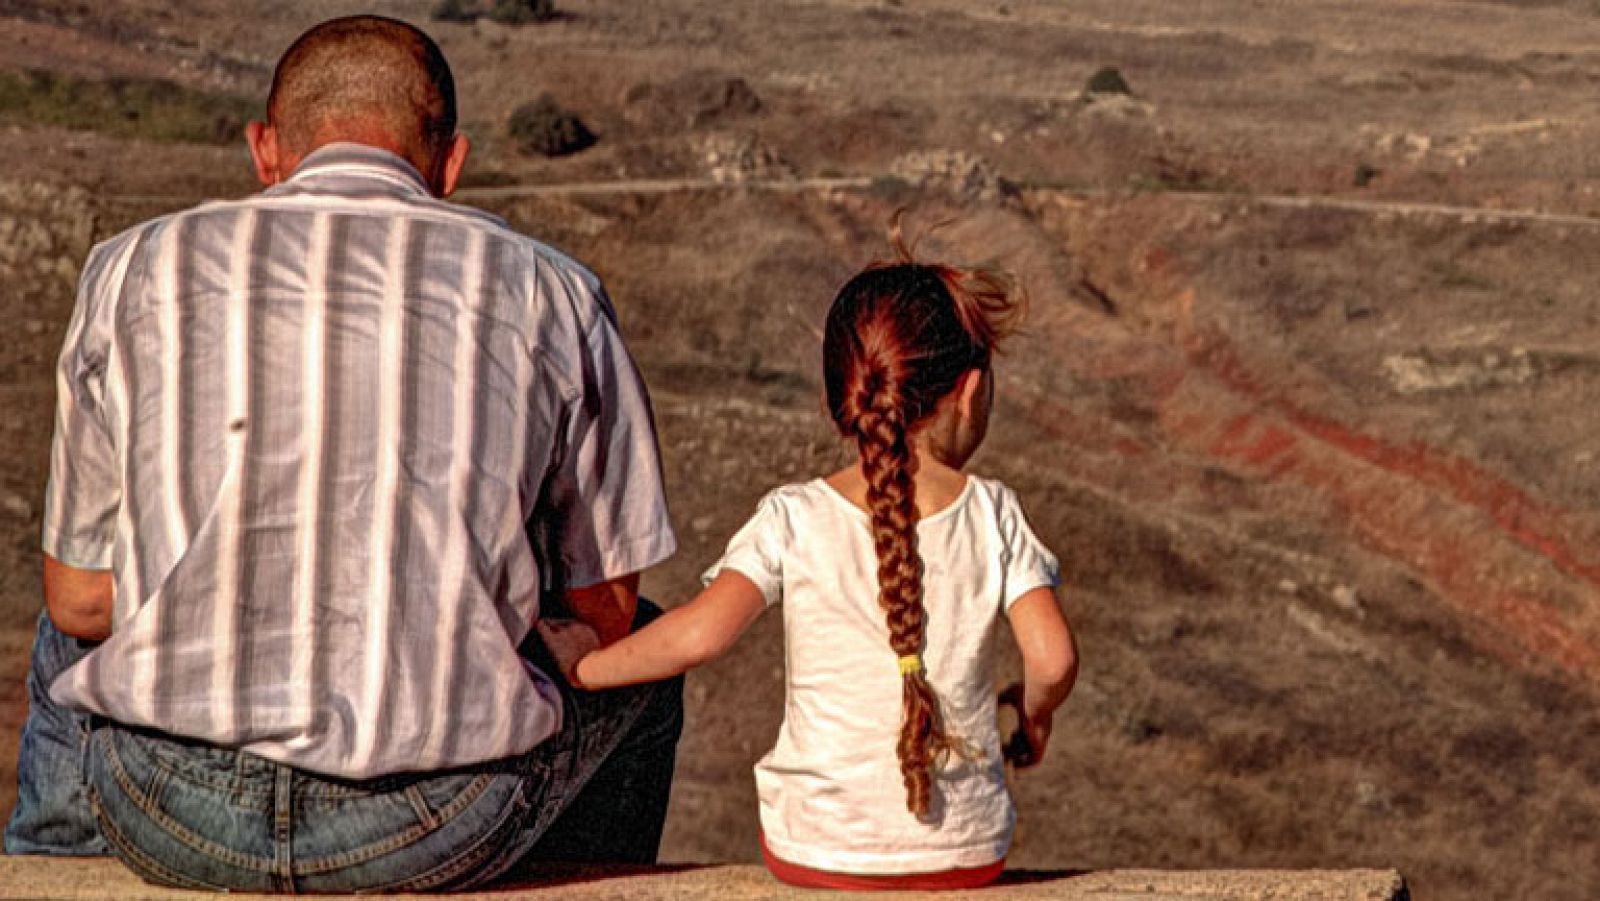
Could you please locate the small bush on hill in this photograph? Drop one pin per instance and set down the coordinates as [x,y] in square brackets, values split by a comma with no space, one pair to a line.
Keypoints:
[517,12]
[542,126]
[505,12]
[453,11]
[1108,80]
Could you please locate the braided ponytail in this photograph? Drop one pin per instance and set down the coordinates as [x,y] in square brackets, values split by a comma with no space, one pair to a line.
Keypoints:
[891,499]
[898,339]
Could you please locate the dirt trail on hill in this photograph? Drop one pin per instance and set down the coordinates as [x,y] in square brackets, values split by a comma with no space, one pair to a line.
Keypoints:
[1468,214]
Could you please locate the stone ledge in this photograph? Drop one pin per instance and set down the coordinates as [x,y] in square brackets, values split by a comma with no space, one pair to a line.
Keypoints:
[96,879]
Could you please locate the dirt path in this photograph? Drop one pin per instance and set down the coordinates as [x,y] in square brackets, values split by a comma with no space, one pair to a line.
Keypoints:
[1468,215]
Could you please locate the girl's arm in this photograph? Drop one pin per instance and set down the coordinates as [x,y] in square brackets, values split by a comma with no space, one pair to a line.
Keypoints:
[682,638]
[1049,662]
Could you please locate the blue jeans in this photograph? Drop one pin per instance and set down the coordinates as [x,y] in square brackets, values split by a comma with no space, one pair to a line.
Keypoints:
[183,813]
[52,814]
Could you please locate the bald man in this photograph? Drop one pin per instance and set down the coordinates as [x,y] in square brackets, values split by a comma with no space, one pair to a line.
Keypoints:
[319,454]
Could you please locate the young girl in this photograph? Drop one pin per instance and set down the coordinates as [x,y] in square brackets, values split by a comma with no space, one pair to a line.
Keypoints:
[892,573]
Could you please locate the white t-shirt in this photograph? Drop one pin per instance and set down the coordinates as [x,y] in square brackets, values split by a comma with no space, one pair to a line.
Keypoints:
[831,793]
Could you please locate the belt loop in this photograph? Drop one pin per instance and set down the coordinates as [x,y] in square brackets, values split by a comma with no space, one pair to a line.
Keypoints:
[283,826]
[86,727]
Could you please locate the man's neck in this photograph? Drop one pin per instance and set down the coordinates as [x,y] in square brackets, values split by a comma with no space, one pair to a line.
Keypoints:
[377,139]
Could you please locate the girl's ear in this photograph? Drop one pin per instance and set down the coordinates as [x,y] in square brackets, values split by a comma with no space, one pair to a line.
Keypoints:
[971,394]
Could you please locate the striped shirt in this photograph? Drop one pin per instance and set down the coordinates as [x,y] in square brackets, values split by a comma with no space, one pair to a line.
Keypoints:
[317,435]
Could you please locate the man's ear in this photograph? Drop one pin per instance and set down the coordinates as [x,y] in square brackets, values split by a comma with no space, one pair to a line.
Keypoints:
[263,141]
[455,159]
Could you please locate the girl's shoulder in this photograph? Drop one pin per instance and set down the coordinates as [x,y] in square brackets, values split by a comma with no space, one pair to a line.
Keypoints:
[993,492]
[811,497]
[999,508]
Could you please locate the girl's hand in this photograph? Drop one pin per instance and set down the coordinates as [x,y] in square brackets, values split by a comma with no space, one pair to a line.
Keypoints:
[1049,667]
[1026,746]
[568,642]
[681,638]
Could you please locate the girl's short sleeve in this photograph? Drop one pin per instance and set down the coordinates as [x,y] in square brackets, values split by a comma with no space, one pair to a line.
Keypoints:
[1028,564]
[756,550]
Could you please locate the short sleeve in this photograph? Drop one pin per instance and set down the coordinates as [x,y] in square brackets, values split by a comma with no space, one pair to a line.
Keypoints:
[607,492]
[84,492]
[756,551]
[1028,564]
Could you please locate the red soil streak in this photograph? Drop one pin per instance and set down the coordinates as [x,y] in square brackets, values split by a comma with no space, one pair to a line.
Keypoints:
[1388,510]
[1535,525]
[1413,503]
[1524,519]
[1384,508]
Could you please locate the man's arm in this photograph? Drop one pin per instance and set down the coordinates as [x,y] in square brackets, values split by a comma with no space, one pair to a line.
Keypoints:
[79,600]
[603,501]
[84,491]
[607,607]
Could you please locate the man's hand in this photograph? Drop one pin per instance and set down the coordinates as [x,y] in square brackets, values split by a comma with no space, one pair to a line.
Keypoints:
[79,600]
[568,641]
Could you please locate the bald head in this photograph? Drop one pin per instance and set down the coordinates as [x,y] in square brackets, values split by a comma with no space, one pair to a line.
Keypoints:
[366,79]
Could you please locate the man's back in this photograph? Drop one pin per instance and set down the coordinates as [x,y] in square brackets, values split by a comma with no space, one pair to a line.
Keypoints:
[302,441]
[331,409]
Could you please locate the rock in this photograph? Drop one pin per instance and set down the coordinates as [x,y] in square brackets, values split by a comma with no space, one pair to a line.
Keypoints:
[16,506]
[693,100]
[1371,796]
[45,230]
[1347,597]
[1411,145]
[732,159]
[97,878]
[954,171]
[1117,106]
[493,33]
[1426,372]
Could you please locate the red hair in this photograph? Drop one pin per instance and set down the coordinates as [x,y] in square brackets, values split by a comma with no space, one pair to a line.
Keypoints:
[898,339]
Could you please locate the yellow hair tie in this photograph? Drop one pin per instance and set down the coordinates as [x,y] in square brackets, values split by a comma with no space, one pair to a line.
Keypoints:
[911,663]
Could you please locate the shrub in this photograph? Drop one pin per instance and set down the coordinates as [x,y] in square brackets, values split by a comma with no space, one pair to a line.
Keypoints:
[542,126]
[505,12]
[452,11]
[1108,80]
[517,12]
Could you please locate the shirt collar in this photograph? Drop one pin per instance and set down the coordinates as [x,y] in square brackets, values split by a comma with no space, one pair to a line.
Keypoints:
[343,158]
